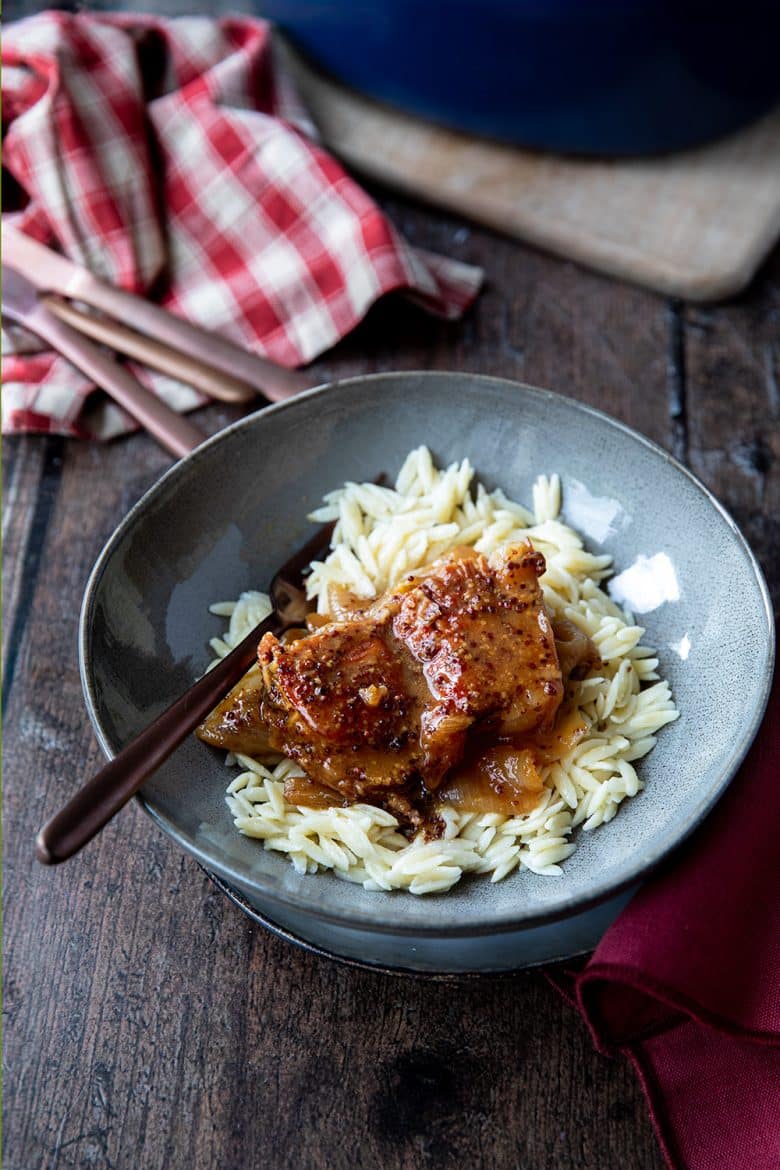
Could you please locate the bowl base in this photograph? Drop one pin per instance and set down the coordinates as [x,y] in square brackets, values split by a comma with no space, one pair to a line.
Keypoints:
[436,957]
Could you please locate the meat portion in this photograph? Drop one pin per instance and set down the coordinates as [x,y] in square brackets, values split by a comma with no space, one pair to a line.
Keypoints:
[378,706]
[343,703]
[480,632]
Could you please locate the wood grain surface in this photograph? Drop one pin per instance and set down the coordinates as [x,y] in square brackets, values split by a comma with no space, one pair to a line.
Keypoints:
[696,223]
[148,1024]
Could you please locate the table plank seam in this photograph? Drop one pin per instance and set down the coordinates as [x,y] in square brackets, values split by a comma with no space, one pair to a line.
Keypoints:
[45,501]
[676,380]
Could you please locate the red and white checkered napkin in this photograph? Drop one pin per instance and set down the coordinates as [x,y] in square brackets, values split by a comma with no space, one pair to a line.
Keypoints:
[172,157]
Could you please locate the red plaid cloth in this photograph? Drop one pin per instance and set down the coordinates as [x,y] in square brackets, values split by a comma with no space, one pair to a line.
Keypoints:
[173,155]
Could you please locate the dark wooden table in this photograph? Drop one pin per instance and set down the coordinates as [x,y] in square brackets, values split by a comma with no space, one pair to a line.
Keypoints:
[148,1024]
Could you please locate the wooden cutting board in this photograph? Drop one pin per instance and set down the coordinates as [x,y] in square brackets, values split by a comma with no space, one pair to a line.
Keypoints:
[695,224]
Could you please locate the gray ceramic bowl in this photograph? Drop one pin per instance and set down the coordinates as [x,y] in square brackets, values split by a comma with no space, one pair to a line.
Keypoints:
[221,520]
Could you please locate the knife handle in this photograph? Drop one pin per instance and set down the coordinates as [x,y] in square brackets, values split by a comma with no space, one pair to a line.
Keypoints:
[175,433]
[158,356]
[275,382]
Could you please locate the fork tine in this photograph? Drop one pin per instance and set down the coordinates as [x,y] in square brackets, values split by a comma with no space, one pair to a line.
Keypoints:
[293,569]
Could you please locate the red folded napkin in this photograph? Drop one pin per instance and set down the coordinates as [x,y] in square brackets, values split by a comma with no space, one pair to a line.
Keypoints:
[174,156]
[687,980]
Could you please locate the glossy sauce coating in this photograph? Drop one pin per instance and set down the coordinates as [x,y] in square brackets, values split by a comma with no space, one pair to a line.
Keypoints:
[456,668]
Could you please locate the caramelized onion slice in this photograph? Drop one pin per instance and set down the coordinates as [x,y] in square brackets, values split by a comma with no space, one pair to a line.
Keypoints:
[502,779]
[505,778]
[577,655]
[552,745]
[300,790]
[235,724]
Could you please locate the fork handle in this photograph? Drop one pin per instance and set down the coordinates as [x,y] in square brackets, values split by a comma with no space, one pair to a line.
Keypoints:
[103,796]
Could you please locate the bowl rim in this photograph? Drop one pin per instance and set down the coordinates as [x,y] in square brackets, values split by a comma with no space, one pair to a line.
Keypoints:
[364,920]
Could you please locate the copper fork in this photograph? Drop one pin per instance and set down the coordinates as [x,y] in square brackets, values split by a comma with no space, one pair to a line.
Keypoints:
[107,792]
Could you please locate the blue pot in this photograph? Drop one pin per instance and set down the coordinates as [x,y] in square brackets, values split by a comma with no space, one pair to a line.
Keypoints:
[585,76]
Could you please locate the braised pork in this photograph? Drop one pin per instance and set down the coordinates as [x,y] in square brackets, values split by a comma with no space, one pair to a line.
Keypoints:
[385,703]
